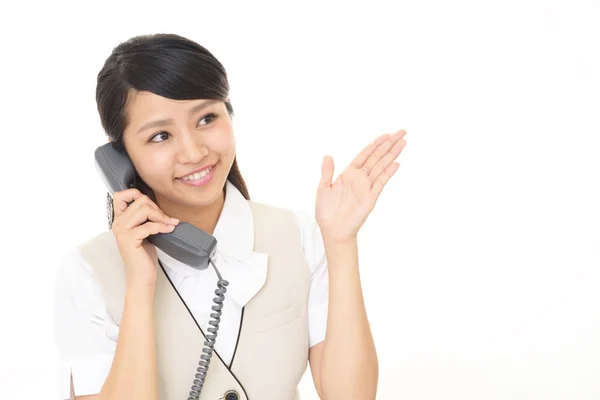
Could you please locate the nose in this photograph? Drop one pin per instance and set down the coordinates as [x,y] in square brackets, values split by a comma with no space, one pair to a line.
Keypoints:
[191,149]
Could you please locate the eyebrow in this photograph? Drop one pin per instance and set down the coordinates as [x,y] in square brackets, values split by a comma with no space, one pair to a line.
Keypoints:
[162,122]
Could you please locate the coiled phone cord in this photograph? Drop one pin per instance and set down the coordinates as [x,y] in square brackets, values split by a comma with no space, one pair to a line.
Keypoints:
[211,337]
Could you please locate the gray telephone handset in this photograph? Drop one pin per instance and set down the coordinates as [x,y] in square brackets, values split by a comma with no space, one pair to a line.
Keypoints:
[186,243]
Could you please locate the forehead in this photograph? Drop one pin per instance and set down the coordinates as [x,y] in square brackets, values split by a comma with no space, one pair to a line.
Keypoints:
[147,104]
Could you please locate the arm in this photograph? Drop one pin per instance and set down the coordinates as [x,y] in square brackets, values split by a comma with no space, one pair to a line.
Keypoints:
[91,345]
[345,365]
[133,373]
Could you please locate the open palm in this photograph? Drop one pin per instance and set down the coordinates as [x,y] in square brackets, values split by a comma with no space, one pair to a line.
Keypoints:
[342,207]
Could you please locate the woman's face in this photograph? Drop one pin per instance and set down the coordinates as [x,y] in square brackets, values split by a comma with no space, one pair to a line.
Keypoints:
[183,149]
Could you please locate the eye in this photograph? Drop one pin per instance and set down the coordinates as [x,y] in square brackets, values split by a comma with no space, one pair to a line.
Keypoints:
[211,116]
[163,135]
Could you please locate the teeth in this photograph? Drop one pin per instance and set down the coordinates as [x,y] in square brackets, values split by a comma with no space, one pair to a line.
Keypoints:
[197,175]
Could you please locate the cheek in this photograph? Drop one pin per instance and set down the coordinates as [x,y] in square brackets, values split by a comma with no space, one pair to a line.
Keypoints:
[223,144]
[155,168]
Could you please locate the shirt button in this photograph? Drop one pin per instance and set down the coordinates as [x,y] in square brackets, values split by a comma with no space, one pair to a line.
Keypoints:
[231,395]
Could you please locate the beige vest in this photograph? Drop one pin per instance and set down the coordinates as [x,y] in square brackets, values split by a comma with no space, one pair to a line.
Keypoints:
[272,350]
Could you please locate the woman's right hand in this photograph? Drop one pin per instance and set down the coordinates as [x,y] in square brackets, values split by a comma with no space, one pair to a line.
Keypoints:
[132,209]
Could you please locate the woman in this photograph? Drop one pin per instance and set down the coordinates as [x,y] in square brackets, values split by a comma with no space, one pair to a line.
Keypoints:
[131,320]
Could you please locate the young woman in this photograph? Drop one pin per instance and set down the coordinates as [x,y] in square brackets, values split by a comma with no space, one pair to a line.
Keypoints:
[131,321]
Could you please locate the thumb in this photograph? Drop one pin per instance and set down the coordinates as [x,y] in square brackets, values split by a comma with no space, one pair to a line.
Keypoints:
[326,172]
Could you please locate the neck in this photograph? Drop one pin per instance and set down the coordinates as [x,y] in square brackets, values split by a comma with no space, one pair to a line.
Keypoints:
[204,218]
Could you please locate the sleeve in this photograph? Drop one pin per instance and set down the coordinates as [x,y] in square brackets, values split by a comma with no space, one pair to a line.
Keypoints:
[318,296]
[84,333]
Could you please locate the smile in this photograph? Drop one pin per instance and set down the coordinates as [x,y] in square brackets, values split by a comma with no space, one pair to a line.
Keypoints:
[199,178]
[197,175]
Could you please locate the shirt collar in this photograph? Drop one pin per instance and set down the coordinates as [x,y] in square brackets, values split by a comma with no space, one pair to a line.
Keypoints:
[235,228]
[244,268]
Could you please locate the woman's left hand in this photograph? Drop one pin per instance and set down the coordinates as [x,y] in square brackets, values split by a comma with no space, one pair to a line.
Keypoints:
[342,207]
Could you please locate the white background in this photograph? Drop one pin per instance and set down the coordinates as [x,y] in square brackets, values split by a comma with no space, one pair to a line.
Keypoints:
[480,264]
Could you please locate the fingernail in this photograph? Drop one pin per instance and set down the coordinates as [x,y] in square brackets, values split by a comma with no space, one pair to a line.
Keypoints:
[175,220]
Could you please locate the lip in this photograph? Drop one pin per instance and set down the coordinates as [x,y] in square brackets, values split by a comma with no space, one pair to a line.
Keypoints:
[200,182]
[198,170]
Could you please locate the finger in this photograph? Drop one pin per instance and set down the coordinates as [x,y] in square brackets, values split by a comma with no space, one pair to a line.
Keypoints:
[151,228]
[140,214]
[387,160]
[362,157]
[131,203]
[327,168]
[383,179]
[123,198]
[382,150]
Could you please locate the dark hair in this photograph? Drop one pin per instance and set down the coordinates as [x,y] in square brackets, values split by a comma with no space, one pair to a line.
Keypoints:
[168,65]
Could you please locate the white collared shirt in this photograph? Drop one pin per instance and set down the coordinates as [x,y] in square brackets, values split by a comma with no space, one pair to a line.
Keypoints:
[86,336]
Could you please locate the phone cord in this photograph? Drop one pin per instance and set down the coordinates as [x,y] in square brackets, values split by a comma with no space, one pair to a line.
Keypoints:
[211,337]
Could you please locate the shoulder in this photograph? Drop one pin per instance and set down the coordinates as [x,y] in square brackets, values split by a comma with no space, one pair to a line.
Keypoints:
[73,257]
[312,241]
[74,280]
[304,220]
[307,228]
[101,254]
[270,218]
[75,271]
[101,241]
[269,210]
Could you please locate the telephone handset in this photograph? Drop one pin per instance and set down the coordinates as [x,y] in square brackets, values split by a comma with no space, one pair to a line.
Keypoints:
[188,244]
